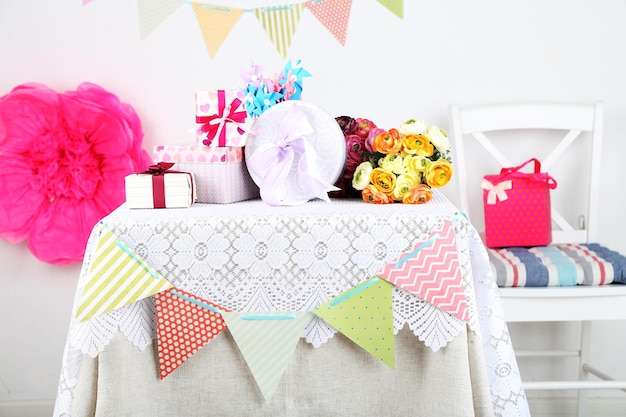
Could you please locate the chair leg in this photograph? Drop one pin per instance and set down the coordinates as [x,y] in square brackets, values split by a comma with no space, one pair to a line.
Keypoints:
[585,347]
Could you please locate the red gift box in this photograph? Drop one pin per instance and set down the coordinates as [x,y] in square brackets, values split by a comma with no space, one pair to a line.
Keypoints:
[517,207]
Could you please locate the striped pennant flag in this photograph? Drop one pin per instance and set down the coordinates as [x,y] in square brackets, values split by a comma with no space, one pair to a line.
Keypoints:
[280,23]
[267,341]
[432,272]
[154,12]
[364,314]
[117,276]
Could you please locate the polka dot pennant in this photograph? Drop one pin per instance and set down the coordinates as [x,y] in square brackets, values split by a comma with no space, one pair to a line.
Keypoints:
[185,323]
[334,15]
[364,314]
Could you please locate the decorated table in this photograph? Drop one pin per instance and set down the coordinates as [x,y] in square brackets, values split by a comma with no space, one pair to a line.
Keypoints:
[340,308]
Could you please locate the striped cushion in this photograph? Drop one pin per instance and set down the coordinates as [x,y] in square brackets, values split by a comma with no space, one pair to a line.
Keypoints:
[557,265]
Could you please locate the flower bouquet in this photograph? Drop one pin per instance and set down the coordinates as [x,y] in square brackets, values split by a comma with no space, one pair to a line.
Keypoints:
[399,165]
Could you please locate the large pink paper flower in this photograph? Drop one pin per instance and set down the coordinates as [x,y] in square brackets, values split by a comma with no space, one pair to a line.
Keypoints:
[63,159]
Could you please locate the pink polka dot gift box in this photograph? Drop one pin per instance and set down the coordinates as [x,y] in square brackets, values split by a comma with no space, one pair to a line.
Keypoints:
[220,173]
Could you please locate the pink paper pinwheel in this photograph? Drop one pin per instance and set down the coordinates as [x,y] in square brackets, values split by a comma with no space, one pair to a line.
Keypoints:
[63,159]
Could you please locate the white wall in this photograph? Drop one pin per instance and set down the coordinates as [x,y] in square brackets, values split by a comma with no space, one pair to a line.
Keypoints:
[391,69]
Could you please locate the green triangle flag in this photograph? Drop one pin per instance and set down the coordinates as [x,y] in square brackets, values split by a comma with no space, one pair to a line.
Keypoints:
[117,276]
[267,340]
[280,23]
[154,12]
[395,6]
[365,315]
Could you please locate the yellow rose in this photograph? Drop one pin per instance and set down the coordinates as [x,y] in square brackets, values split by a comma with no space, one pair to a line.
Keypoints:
[438,137]
[383,180]
[417,145]
[393,163]
[438,173]
[419,194]
[415,165]
[361,177]
[404,183]
[371,195]
[387,142]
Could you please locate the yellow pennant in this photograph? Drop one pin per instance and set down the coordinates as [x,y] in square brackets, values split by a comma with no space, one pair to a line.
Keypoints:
[117,276]
[215,22]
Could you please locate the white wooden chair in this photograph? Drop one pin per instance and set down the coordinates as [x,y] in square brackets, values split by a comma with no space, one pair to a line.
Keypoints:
[476,155]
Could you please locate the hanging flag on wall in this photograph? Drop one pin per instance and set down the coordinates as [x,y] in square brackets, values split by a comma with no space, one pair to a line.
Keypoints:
[279,22]
[154,12]
[395,6]
[215,23]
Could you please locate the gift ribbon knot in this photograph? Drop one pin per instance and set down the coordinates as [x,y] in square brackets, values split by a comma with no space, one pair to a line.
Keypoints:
[158,172]
[496,192]
[215,125]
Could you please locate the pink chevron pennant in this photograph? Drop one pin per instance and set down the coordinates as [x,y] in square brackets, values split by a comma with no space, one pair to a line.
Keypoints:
[431,271]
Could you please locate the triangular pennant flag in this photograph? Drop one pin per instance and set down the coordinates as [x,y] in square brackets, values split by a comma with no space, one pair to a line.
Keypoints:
[117,276]
[154,12]
[185,323]
[280,23]
[395,6]
[334,14]
[267,341]
[365,315]
[432,272]
[215,22]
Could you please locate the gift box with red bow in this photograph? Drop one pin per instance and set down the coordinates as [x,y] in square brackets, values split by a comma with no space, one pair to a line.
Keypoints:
[160,187]
[221,174]
[221,118]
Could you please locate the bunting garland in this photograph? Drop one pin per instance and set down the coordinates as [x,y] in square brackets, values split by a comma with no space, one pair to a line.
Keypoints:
[117,276]
[279,22]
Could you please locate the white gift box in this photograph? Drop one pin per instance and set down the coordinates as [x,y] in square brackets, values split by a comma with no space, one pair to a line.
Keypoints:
[172,190]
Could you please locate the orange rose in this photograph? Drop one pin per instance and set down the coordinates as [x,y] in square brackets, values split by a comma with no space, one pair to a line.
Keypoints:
[383,180]
[419,194]
[418,145]
[371,194]
[387,142]
[438,173]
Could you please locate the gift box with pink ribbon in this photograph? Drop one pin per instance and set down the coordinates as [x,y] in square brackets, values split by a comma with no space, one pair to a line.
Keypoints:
[221,118]
[160,187]
[220,173]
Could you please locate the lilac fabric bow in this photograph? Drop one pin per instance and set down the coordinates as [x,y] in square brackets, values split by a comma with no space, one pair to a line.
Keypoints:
[272,162]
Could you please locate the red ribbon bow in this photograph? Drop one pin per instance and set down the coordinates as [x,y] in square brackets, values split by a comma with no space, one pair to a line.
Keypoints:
[158,172]
[215,125]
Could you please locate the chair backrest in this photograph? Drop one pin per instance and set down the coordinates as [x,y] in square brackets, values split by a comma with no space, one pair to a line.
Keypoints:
[565,137]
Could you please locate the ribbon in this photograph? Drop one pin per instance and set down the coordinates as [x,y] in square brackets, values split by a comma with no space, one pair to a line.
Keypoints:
[272,162]
[496,192]
[214,126]
[158,172]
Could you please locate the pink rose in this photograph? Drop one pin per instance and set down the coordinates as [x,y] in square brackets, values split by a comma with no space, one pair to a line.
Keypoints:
[369,141]
[63,159]
[355,146]
[363,127]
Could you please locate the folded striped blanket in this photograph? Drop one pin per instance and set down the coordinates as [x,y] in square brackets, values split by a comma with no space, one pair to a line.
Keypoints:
[557,265]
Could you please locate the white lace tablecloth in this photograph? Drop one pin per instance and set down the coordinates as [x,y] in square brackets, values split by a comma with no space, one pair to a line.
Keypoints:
[250,256]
